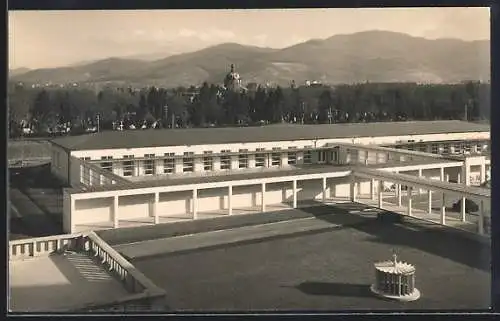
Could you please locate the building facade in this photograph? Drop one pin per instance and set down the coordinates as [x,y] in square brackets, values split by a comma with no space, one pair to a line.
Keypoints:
[320,159]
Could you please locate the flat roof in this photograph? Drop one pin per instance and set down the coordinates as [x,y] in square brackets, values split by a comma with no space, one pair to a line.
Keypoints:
[285,132]
[60,283]
[325,268]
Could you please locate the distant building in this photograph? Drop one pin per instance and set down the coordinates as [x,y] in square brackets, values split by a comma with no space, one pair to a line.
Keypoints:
[232,80]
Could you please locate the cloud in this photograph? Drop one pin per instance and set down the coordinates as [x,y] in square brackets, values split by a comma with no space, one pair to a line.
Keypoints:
[260,40]
[187,33]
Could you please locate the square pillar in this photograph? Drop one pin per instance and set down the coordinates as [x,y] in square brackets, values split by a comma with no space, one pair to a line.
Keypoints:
[480,224]
[70,214]
[353,191]
[230,200]
[324,189]
[458,178]
[155,208]
[429,200]
[380,194]
[263,191]
[441,174]
[116,217]
[483,173]
[420,191]
[195,204]
[462,209]
[443,209]
[398,189]
[372,189]
[409,209]
[294,193]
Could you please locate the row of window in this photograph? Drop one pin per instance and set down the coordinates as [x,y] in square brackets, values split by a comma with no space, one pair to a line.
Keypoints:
[207,159]
[447,148]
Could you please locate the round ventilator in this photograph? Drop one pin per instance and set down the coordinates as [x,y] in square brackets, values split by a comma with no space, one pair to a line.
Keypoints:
[395,280]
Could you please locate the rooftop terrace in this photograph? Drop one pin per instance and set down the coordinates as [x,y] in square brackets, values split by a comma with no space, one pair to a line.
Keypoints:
[60,283]
[323,262]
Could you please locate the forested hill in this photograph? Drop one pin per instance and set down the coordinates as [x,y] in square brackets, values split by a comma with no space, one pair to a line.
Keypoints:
[374,56]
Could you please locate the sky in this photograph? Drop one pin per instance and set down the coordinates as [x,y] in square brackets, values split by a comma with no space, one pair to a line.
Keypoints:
[43,39]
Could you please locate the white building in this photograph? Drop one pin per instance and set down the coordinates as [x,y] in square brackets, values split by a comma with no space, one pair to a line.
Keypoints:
[154,176]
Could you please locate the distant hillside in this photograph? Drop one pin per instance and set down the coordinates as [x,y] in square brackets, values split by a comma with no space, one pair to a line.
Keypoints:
[376,56]
[18,71]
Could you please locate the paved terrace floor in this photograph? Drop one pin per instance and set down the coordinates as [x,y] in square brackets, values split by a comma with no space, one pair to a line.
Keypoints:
[59,283]
[324,261]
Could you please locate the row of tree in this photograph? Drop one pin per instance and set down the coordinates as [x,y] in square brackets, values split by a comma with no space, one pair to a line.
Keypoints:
[212,105]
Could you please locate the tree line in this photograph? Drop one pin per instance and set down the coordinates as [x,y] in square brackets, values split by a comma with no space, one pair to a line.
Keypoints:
[212,105]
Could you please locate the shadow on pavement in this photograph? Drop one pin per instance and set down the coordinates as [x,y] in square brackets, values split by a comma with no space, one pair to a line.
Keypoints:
[335,289]
[414,233]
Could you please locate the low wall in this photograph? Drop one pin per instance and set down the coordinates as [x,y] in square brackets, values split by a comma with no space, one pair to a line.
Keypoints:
[145,295]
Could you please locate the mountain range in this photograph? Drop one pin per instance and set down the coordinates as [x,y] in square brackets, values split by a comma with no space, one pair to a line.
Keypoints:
[374,56]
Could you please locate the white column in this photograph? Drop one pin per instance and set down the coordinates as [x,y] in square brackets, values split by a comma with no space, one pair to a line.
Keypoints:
[420,191]
[429,201]
[480,224]
[441,174]
[230,200]
[324,189]
[353,191]
[116,217]
[466,172]
[195,204]
[71,214]
[155,208]
[380,194]
[462,209]
[409,209]
[447,178]
[483,172]
[372,189]
[443,209]
[398,188]
[294,193]
[263,191]
[458,178]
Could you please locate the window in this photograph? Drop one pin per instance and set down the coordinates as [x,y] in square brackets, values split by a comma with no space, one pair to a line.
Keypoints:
[467,148]
[411,147]
[446,148]
[128,166]
[188,162]
[276,157]
[107,165]
[169,163]
[149,164]
[307,155]
[243,158]
[260,158]
[292,156]
[225,160]
[335,155]
[208,163]
[435,148]
[322,156]
[422,148]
